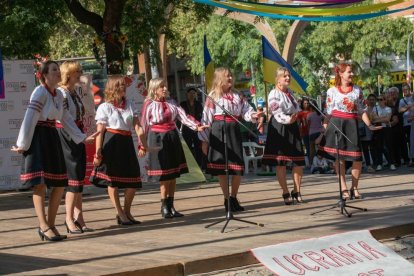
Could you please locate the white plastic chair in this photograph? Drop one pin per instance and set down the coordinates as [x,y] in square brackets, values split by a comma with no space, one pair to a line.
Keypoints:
[251,152]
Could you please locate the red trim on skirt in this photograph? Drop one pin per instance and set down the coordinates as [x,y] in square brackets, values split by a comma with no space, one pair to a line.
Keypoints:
[344,115]
[115,178]
[119,131]
[29,176]
[166,172]
[283,157]
[72,182]
[234,167]
[342,152]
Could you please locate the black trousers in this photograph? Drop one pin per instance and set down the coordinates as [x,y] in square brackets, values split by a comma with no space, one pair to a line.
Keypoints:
[367,150]
[383,145]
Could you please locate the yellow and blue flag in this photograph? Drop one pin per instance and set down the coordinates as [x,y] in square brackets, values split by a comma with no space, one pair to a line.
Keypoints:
[208,67]
[272,61]
[2,90]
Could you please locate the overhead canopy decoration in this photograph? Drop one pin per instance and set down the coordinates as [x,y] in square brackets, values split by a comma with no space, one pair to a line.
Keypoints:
[319,12]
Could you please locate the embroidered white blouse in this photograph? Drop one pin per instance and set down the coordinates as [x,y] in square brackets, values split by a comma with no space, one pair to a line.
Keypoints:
[351,102]
[165,112]
[230,101]
[116,117]
[42,107]
[282,105]
[75,108]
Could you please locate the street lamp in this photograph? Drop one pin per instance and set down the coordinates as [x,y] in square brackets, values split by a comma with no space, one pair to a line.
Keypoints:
[408,59]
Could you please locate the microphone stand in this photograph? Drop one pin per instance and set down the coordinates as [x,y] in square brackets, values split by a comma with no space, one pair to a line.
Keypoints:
[338,133]
[229,215]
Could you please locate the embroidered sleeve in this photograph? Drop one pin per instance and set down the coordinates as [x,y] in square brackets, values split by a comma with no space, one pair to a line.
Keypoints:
[32,115]
[185,119]
[361,103]
[275,101]
[329,101]
[247,111]
[145,116]
[207,119]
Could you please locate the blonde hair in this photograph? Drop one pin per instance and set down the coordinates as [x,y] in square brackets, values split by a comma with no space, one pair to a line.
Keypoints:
[67,69]
[281,72]
[153,85]
[113,88]
[219,80]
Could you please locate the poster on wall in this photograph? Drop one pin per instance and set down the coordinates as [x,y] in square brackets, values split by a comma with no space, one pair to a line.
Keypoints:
[19,82]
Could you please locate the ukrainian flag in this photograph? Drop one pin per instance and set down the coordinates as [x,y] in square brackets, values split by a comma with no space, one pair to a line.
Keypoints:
[272,60]
[208,67]
[2,90]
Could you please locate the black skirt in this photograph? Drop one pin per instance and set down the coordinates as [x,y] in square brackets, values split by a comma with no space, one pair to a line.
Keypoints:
[283,145]
[75,161]
[166,156]
[216,155]
[119,166]
[44,161]
[349,150]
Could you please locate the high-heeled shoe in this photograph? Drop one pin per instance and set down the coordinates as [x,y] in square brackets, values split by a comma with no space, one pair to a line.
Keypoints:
[170,205]
[345,194]
[77,231]
[57,232]
[287,199]
[120,222]
[352,194]
[43,236]
[297,196]
[84,228]
[134,221]
[236,204]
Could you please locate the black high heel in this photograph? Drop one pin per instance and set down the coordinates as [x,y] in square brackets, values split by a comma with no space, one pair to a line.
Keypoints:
[345,194]
[77,231]
[43,236]
[170,205]
[352,194]
[287,199]
[120,222]
[236,205]
[57,232]
[83,228]
[134,221]
[297,196]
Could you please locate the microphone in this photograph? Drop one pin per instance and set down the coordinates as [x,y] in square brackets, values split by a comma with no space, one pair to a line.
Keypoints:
[195,85]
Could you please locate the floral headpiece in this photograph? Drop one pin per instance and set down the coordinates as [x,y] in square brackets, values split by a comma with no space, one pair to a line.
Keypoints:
[38,63]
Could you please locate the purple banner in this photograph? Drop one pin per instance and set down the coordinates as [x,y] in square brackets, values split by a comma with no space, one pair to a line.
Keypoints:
[2,90]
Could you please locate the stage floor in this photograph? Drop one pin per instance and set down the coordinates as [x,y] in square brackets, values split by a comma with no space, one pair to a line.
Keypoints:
[182,245]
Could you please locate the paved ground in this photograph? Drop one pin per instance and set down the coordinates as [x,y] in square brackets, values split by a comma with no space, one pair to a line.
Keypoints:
[184,246]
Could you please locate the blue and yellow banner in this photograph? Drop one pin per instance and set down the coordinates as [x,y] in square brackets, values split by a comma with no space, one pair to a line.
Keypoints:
[2,89]
[272,61]
[208,67]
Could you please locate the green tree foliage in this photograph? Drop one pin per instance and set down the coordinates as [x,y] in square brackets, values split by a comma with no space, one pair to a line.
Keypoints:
[25,26]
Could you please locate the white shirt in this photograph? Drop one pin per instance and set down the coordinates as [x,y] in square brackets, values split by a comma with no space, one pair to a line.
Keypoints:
[381,112]
[282,105]
[351,102]
[230,101]
[116,117]
[42,107]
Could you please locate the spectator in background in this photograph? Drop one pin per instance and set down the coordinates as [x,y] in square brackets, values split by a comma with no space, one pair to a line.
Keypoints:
[303,124]
[193,108]
[382,114]
[406,105]
[320,165]
[366,134]
[314,121]
[261,121]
